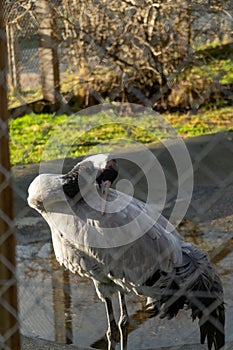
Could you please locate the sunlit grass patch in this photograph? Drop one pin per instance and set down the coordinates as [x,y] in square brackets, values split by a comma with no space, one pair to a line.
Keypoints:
[203,123]
[45,136]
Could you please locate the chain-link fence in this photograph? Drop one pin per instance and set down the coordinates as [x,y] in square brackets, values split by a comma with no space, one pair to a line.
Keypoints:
[8,295]
[84,53]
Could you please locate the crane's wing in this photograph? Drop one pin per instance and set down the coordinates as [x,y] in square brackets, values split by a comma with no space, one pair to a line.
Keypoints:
[127,234]
[126,231]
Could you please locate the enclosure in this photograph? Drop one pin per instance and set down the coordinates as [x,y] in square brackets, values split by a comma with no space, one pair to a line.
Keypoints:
[84,77]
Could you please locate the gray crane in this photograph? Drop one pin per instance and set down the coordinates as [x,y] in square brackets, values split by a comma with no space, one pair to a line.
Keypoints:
[115,240]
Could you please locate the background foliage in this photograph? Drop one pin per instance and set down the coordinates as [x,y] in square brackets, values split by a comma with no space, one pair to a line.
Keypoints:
[172,55]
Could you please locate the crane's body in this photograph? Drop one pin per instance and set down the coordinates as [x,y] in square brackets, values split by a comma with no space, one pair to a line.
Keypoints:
[127,249]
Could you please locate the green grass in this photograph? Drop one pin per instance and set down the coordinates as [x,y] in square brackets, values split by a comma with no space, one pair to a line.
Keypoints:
[204,123]
[43,137]
[16,99]
[221,70]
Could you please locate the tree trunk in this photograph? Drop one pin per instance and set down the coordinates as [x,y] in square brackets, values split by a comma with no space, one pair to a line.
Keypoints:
[48,55]
[13,54]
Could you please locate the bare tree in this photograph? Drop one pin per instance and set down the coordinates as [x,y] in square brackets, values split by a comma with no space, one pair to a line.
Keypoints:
[132,49]
[144,44]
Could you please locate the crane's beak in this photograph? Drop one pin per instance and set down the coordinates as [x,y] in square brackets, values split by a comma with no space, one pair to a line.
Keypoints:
[105,191]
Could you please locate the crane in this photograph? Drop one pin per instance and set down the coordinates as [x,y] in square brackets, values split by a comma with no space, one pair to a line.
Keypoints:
[115,240]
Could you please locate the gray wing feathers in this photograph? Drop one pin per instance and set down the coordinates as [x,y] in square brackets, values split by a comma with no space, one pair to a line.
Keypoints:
[134,262]
[129,242]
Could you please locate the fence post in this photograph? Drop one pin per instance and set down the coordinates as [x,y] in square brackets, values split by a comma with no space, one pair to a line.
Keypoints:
[49,63]
[9,328]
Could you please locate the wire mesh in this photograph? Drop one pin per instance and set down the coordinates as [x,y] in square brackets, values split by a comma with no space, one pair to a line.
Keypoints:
[9,332]
[64,306]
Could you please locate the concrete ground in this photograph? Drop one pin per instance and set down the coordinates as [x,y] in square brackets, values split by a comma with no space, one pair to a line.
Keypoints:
[39,344]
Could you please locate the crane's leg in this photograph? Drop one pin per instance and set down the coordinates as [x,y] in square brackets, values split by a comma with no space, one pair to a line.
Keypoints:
[123,322]
[113,331]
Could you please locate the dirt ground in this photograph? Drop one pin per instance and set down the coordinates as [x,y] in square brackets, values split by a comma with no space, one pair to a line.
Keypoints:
[208,221]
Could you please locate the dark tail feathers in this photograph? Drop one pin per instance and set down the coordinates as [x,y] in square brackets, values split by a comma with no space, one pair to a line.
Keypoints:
[206,300]
[212,327]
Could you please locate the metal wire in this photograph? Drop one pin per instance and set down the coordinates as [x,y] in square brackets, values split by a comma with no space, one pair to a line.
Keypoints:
[24,73]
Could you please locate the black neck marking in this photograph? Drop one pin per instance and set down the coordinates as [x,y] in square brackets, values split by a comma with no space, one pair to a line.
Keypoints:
[70,183]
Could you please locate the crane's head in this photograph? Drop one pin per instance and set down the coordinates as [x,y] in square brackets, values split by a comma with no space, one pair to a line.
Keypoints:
[99,168]
[89,171]
[108,174]
[105,179]
[48,189]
